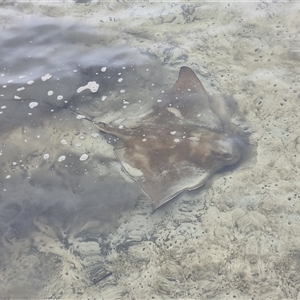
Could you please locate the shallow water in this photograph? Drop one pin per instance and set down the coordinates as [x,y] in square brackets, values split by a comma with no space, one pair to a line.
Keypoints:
[73,225]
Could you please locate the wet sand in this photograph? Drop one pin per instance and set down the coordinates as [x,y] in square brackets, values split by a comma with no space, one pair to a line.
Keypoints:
[236,238]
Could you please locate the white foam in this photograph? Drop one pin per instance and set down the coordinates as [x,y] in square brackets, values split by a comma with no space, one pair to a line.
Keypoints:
[46,77]
[93,86]
[33,104]
[83,157]
[62,158]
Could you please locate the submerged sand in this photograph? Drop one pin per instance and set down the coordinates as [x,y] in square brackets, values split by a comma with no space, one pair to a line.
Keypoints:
[236,238]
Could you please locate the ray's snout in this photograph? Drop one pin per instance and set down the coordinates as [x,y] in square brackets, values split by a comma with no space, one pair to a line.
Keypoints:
[229,149]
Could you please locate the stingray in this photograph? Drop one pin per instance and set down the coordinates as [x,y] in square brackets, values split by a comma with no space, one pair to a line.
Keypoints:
[178,145]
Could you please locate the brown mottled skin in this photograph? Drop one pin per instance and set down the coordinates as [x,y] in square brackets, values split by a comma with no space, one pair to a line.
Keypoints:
[172,144]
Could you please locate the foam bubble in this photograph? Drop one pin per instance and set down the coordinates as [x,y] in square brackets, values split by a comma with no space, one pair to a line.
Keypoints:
[46,77]
[33,104]
[83,157]
[93,86]
[64,142]
[62,158]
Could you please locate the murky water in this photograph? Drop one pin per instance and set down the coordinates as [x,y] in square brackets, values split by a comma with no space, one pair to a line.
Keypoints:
[72,222]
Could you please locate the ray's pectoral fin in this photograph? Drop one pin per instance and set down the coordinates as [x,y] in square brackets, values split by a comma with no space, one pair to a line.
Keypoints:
[187,80]
[162,181]
[161,189]
[192,101]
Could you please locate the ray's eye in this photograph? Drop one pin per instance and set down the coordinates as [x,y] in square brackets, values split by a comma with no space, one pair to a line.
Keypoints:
[226,155]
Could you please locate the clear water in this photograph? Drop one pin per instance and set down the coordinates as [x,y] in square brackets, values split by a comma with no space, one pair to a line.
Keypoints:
[73,224]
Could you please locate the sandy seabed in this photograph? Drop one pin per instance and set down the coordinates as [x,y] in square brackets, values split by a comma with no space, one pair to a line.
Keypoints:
[236,238]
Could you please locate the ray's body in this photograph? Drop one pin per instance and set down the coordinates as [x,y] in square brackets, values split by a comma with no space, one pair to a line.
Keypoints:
[178,145]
